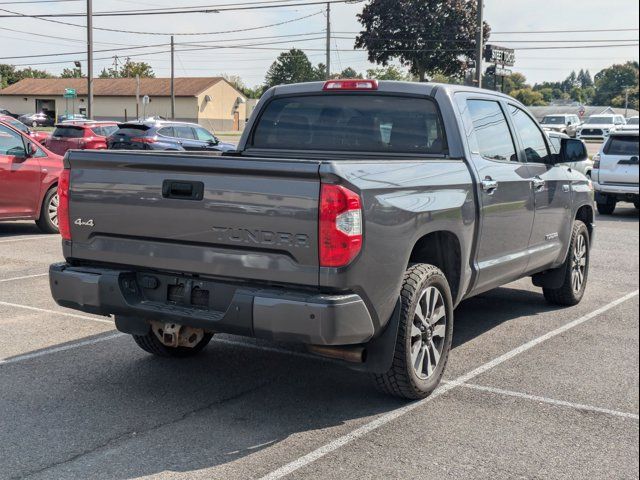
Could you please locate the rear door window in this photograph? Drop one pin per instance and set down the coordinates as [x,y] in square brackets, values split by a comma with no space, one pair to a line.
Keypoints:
[491,136]
[167,132]
[184,132]
[535,147]
[354,123]
[619,145]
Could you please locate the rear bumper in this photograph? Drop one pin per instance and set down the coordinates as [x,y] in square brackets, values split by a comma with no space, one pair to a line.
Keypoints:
[616,189]
[275,314]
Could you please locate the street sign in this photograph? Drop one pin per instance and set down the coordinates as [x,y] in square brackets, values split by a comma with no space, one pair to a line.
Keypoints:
[500,55]
[146,100]
[582,111]
[70,93]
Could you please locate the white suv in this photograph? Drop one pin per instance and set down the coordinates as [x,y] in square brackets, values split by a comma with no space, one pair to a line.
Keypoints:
[598,127]
[615,172]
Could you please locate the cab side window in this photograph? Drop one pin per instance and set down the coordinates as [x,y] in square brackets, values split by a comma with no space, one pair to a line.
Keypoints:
[204,135]
[11,143]
[533,142]
[491,133]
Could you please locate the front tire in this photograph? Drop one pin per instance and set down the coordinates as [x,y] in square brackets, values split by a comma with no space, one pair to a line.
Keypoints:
[576,270]
[48,221]
[425,333]
[607,208]
[151,344]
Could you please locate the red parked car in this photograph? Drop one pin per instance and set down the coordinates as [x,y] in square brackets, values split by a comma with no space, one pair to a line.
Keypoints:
[28,180]
[40,137]
[81,135]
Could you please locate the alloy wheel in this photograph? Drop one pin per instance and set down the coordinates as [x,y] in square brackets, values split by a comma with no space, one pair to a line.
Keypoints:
[428,333]
[52,209]
[579,264]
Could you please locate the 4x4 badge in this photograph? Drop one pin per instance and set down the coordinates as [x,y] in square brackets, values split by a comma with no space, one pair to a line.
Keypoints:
[81,223]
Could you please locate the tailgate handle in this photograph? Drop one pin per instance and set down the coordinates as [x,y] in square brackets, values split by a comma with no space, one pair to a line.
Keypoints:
[182,190]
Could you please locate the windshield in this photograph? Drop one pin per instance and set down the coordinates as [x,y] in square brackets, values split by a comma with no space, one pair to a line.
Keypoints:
[355,123]
[633,121]
[553,120]
[600,120]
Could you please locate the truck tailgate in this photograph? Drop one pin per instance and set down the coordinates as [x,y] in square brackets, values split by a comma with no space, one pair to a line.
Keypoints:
[214,216]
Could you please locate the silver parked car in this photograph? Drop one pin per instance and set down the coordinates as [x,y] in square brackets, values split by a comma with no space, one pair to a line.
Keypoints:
[563,123]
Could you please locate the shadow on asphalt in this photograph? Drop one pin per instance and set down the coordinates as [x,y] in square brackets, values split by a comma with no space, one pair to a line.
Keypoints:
[141,415]
[10,229]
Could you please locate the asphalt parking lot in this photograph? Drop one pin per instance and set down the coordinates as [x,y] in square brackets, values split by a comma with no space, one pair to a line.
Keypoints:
[531,391]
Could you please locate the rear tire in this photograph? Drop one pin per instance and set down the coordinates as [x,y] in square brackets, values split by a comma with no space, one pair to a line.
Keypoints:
[151,344]
[576,269]
[425,333]
[48,221]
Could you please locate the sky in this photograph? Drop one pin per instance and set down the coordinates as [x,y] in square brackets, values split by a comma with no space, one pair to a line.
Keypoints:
[29,36]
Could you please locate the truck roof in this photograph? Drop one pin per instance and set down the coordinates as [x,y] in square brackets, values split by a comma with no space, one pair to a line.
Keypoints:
[387,86]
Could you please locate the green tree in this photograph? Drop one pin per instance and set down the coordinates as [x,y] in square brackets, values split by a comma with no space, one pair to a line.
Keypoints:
[291,67]
[129,69]
[388,73]
[515,81]
[584,78]
[349,73]
[612,82]
[428,36]
[529,97]
[71,73]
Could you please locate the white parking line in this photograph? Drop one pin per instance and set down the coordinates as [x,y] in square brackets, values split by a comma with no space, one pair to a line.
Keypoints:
[25,277]
[63,348]
[394,414]
[550,401]
[65,314]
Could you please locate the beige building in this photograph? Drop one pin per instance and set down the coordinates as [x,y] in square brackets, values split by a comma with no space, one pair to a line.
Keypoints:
[212,102]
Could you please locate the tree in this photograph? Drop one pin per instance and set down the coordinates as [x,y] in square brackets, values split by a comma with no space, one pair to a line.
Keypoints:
[428,36]
[349,73]
[388,73]
[71,73]
[129,69]
[11,75]
[612,82]
[584,79]
[529,97]
[291,67]
[515,81]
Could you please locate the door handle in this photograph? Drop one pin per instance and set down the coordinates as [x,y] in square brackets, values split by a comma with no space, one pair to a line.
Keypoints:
[489,185]
[538,184]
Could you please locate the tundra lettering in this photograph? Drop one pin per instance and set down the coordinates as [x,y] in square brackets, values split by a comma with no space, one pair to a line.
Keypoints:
[353,218]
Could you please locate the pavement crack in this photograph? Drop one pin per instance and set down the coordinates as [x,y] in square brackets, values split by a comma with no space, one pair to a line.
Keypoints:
[115,440]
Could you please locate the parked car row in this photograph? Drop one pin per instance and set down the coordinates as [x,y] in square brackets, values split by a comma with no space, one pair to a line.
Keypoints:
[596,127]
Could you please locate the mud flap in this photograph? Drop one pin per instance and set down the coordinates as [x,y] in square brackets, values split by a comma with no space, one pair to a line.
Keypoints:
[379,352]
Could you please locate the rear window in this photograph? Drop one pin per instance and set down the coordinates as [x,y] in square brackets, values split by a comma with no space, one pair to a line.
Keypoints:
[553,120]
[357,123]
[68,132]
[105,131]
[619,145]
[132,130]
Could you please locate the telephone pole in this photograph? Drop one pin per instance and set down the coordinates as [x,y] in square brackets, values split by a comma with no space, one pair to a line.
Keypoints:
[480,43]
[89,58]
[328,41]
[173,79]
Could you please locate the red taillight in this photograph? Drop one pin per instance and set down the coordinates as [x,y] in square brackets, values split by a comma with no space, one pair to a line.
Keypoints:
[350,85]
[144,139]
[340,226]
[64,222]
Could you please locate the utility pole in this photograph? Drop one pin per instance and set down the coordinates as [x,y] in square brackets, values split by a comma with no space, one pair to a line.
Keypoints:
[328,41]
[480,43]
[137,97]
[173,79]
[89,58]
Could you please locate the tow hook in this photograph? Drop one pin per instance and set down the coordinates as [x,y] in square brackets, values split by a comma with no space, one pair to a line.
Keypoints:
[174,335]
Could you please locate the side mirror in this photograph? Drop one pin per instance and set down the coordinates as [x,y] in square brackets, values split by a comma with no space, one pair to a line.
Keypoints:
[32,150]
[572,150]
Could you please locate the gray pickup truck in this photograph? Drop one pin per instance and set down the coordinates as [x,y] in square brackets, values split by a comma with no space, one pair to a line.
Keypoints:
[353,218]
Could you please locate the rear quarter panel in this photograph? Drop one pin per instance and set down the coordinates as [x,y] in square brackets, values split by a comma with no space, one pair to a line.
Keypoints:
[402,202]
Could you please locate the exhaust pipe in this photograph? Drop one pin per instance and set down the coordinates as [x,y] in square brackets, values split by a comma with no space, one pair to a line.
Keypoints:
[347,354]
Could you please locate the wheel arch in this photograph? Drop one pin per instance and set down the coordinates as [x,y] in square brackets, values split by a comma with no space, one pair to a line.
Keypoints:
[586,215]
[441,249]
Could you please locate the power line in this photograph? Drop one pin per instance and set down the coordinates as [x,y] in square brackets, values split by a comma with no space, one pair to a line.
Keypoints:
[28,2]
[536,32]
[131,13]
